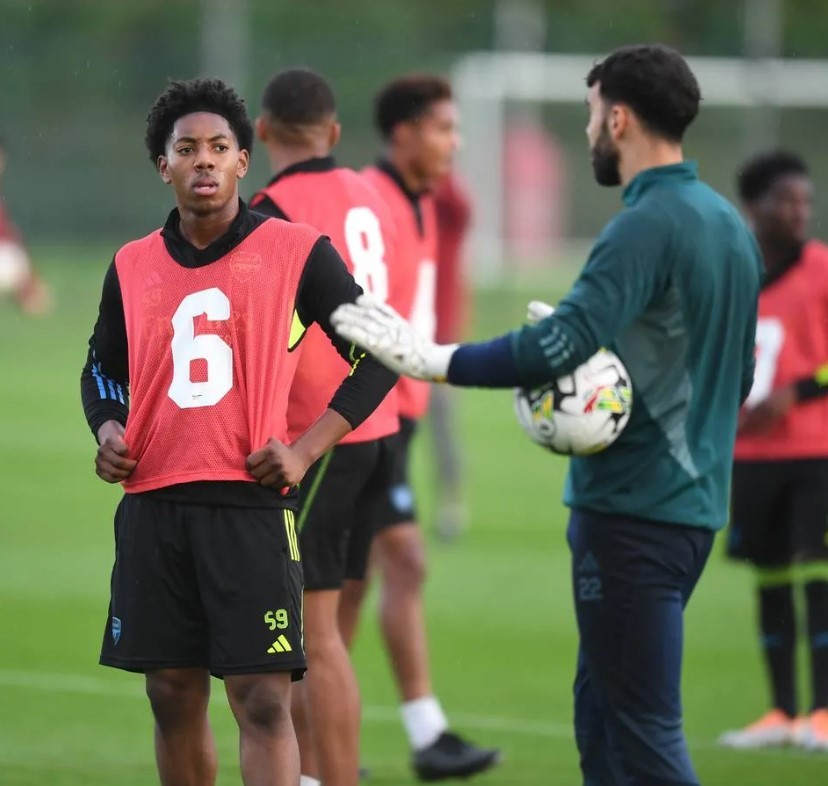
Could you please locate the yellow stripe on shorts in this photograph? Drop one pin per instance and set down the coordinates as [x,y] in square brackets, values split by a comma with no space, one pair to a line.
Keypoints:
[290,529]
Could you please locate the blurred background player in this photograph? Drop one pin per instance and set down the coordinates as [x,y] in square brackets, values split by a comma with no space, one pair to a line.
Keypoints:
[298,125]
[453,211]
[18,276]
[780,476]
[417,119]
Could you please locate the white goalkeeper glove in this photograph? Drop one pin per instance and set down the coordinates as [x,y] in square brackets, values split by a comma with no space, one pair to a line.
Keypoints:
[379,329]
[538,310]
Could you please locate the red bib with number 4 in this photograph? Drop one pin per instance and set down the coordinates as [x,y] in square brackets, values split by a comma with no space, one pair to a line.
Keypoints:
[342,205]
[209,365]
[416,271]
[791,343]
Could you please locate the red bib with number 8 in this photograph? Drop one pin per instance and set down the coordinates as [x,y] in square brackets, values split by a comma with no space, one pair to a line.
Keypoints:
[341,204]
[209,366]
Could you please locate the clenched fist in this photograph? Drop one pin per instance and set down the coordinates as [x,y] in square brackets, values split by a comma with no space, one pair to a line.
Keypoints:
[112,463]
[277,465]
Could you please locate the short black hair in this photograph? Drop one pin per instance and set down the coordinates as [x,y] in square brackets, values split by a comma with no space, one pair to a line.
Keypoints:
[655,82]
[760,172]
[183,97]
[408,98]
[299,97]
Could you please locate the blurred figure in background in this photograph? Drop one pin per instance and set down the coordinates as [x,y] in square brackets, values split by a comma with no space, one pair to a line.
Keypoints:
[453,210]
[780,476]
[18,277]
[417,119]
[299,128]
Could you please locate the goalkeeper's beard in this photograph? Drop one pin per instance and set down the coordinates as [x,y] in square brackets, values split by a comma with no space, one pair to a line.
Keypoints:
[605,160]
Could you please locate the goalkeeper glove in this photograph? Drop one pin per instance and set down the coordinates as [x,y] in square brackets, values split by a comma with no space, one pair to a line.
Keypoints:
[379,329]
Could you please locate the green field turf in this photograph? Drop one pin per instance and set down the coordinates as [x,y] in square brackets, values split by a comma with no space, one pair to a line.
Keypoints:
[499,610]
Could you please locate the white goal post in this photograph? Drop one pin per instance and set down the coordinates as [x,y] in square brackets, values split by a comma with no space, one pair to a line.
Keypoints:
[484,81]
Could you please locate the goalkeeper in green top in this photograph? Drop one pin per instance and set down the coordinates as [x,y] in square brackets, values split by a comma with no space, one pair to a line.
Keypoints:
[671,286]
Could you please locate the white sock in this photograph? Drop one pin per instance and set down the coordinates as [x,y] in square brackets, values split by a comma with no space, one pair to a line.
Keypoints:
[424,721]
[306,780]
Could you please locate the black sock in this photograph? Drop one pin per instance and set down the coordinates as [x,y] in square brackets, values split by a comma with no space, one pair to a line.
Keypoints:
[777,623]
[816,595]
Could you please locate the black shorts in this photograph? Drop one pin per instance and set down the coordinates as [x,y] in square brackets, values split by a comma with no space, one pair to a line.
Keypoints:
[397,505]
[204,586]
[338,503]
[779,512]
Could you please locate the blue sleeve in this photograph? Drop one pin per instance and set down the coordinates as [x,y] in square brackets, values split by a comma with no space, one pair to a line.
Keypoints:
[627,267]
[490,364]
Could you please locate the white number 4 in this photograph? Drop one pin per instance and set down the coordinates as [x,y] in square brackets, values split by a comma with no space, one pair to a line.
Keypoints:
[187,347]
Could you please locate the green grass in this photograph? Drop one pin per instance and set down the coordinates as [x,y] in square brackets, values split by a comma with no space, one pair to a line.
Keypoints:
[499,611]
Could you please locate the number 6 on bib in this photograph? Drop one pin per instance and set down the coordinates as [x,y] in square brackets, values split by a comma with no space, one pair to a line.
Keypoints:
[187,347]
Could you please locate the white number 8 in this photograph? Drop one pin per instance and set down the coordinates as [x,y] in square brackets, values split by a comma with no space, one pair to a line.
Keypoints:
[187,347]
[363,237]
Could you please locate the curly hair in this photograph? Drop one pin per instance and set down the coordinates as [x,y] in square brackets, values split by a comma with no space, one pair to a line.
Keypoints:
[758,174]
[655,82]
[183,97]
[408,98]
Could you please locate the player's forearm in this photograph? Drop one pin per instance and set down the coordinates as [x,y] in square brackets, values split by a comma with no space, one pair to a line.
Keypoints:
[553,347]
[363,390]
[489,364]
[317,440]
[528,357]
[104,379]
[103,398]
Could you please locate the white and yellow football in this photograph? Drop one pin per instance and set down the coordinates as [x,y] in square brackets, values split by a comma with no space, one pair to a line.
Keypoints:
[581,413]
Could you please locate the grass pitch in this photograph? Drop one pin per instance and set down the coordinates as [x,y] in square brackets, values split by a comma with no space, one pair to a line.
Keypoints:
[500,617]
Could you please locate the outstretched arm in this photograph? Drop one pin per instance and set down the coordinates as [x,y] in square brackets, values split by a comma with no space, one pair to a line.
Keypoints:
[623,273]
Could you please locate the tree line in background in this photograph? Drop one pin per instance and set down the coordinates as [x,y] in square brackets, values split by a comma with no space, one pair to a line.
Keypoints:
[76,79]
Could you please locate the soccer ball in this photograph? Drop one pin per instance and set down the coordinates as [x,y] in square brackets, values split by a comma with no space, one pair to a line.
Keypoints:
[581,413]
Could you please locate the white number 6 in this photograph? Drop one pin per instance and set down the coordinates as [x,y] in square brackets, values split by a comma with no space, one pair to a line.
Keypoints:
[187,347]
